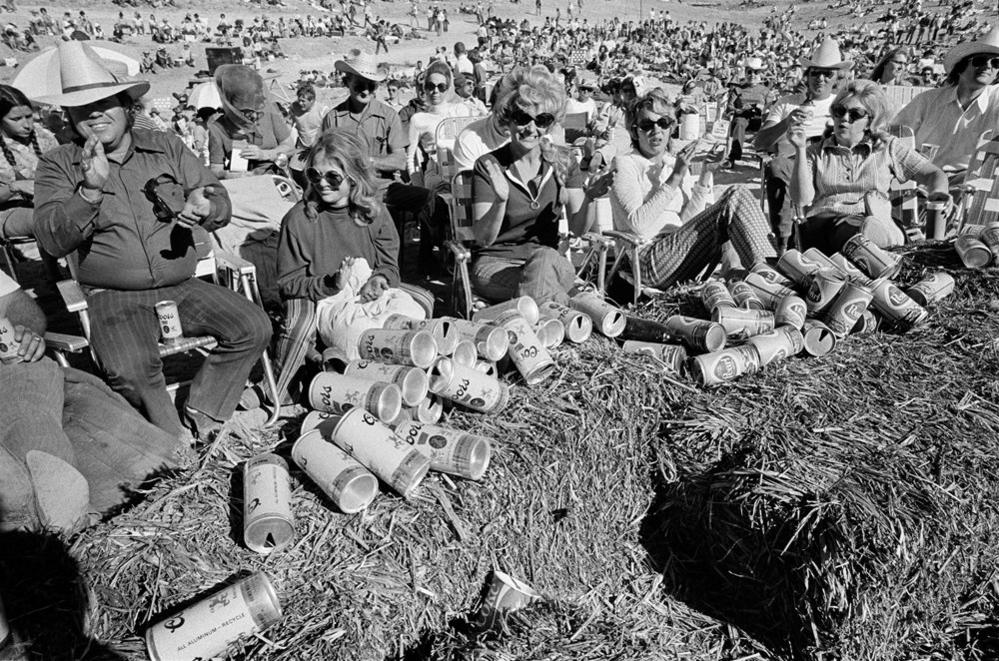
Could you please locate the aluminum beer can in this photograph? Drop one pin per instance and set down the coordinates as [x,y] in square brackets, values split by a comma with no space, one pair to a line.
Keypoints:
[936,221]
[403,347]
[465,354]
[491,341]
[819,340]
[430,411]
[380,450]
[896,306]
[769,274]
[852,273]
[551,332]
[797,267]
[697,334]
[468,386]
[312,420]
[529,356]
[849,306]
[267,521]
[578,326]
[741,323]
[346,482]
[169,317]
[523,305]
[745,296]
[869,258]
[205,629]
[931,289]
[487,367]
[339,393]
[504,594]
[817,256]
[8,345]
[449,450]
[673,355]
[868,323]
[783,342]
[717,367]
[412,381]
[767,291]
[791,311]
[990,237]
[826,286]
[606,318]
[973,253]
[715,294]
[444,333]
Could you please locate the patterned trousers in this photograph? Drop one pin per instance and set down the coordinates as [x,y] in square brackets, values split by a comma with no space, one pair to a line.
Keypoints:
[683,254]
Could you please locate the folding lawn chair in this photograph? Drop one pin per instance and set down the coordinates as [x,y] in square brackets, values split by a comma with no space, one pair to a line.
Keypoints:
[905,196]
[459,244]
[979,195]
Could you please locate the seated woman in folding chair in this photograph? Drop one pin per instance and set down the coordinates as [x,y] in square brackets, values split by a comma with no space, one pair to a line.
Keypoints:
[844,179]
[655,197]
[337,257]
[518,195]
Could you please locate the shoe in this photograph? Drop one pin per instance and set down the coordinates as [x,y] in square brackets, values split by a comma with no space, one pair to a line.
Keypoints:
[203,427]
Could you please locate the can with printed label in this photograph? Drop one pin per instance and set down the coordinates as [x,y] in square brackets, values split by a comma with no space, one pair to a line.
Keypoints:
[742,323]
[169,317]
[973,253]
[523,305]
[445,335]
[607,319]
[783,342]
[791,311]
[338,393]
[412,381]
[825,287]
[342,478]
[934,287]
[819,340]
[697,334]
[797,267]
[578,326]
[468,386]
[490,340]
[769,292]
[896,306]
[717,367]
[528,354]
[745,296]
[716,295]
[869,258]
[674,355]
[848,308]
[267,521]
[403,347]
[449,450]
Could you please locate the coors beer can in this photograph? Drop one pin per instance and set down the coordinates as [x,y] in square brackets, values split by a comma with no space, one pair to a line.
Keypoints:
[525,306]
[412,381]
[346,482]
[744,295]
[468,386]
[931,289]
[398,346]
[973,253]
[797,267]
[673,355]
[578,326]
[791,311]
[715,295]
[819,340]
[741,323]
[869,258]
[205,629]
[848,308]
[769,274]
[312,420]
[490,341]
[449,450]
[267,521]
[783,342]
[465,354]
[697,334]
[896,306]
[529,356]
[338,393]
[826,286]
[169,316]
[551,332]
[607,319]
[712,369]
[444,333]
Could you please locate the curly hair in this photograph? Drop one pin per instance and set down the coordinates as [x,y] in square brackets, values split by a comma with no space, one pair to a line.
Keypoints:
[10,98]
[348,150]
[532,89]
[872,97]
[657,101]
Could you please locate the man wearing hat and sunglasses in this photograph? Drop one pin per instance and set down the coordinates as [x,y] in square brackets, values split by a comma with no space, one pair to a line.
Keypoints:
[953,117]
[809,110]
[130,203]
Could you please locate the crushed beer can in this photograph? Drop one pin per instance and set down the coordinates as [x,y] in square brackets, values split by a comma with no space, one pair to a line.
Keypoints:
[896,306]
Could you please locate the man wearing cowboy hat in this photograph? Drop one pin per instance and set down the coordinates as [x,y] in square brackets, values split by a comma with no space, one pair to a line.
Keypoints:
[746,102]
[809,110]
[130,203]
[954,116]
[387,143]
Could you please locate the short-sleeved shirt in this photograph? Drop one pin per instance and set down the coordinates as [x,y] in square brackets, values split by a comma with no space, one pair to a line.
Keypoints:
[843,177]
[378,122]
[25,158]
[8,285]
[308,123]
[268,132]
[788,104]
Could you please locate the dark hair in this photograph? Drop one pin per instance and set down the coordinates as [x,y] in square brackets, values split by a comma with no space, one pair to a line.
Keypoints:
[879,68]
[10,98]
[306,89]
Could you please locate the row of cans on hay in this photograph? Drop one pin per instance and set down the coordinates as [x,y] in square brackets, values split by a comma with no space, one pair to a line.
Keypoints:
[978,246]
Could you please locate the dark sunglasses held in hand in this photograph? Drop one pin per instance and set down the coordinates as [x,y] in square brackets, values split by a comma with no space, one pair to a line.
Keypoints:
[522,118]
[333,179]
[852,114]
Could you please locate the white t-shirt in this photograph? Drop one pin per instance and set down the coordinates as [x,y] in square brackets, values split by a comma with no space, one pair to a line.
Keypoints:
[788,104]
[7,284]
[573,106]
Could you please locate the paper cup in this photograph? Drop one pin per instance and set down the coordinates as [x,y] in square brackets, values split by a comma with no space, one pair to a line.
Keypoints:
[875,262]
[398,346]
[443,332]
[578,326]
[782,343]
[697,334]
[848,308]
[346,482]
[412,381]
[673,355]
[491,341]
[742,323]
[449,450]
[717,367]
[819,340]
[529,356]
[607,319]
[825,287]
[524,305]
[973,253]
[339,393]
[267,521]
[896,307]
[745,296]
[468,387]
[551,332]
[791,311]
[716,295]
[931,289]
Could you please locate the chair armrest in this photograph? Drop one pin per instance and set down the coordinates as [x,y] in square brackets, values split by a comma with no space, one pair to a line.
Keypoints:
[233,263]
[460,252]
[66,343]
[595,239]
[72,295]
[627,237]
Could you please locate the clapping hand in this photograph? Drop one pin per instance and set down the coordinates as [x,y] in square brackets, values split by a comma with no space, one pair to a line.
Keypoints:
[501,187]
[599,184]
[684,158]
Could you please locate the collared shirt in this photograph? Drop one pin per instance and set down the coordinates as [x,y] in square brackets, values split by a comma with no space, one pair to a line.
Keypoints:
[119,241]
[377,122]
[477,139]
[936,118]
[267,132]
[856,181]
[785,105]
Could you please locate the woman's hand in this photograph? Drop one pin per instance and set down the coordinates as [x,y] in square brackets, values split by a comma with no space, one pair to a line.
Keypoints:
[373,288]
[500,186]
[30,346]
[94,162]
[683,159]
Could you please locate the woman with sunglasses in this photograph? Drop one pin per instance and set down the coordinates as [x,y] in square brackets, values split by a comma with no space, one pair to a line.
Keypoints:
[655,197]
[843,181]
[436,90]
[518,194]
[892,69]
[249,120]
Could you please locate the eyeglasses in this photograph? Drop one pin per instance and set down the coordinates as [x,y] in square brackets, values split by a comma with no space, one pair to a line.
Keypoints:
[822,73]
[648,124]
[982,61]
[431,87]
[542,120]
[852,114]
[333,179]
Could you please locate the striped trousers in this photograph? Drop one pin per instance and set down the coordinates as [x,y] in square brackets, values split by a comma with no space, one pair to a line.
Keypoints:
[683,254]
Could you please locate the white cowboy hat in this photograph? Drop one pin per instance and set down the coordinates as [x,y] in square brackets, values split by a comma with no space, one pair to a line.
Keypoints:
[754,63]
[74,75]
[989,44]
[826,56]
[360,63]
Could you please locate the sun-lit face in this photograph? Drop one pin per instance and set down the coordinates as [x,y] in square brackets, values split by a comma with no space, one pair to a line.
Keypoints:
[821,82]
[850,121]
[107,119]
[896,65]
[528,125]
[18,122]
[653,132]
[329,181]
[435,87]
[305,102]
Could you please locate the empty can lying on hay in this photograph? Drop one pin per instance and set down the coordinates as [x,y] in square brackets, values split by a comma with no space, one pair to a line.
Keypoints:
[468,386]
[771,275]
[869,258]
[379,449]
[783,342]
[742,323]
[449,450]
[205,629]
[896,307]
[673,355]
[525,306]
[744,295]
[852,273]
[797,267]
[931,289]
[312,420]
[825,287]
[578,326]
[403,347]
[849,306]
[716,295]
[444,333]
[551,332]
[504,594]
[823,260]
[769,292]
[267,521]
[819,340]
[339,393]
[868,323]
[487,367]
[973,253]
[342,478]
[491,341]
[717,367]
[412,382]
[607,319]
[791,311]
[697,334]
[530,357]
[465,354]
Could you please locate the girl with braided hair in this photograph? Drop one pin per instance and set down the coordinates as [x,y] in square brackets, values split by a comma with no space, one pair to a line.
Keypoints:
[22,144]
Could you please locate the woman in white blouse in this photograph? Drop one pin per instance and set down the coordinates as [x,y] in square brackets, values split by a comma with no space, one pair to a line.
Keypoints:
[436,87]
[655,197]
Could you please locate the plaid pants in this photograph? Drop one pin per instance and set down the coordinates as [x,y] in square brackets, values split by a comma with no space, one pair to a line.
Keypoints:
[683,254]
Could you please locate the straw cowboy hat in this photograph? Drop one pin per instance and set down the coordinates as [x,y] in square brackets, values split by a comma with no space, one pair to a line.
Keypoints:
[754,63]
[362,64]
[74,75]
[989,44]
[826,56]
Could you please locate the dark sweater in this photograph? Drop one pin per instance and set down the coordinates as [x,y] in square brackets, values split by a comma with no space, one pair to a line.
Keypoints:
[311,249]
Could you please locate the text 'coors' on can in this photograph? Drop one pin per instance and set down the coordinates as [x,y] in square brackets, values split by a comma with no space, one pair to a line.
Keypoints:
[468,386]
[607,319]
[206,629]
[449,450]
[342,478]
[268,524]
[717,367]
[169,317]
[673,355]
[526,351]
[578,326]
[445,335]
[404,347]
[412,381]
[338,393]
[931,289]
[697,334]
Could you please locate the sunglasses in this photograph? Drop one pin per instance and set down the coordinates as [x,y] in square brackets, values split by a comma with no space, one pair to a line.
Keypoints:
[982,61]
[822,73]
[542,121]
[333,179]
[362,84]
[431,87]
[647,124]
[851,114]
